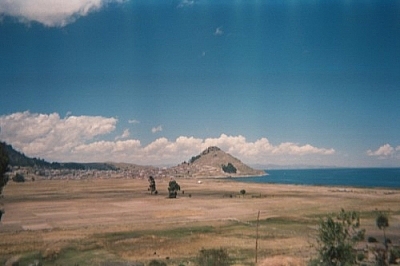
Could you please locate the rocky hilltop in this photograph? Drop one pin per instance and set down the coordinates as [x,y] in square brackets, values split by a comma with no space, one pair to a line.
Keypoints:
[213,162]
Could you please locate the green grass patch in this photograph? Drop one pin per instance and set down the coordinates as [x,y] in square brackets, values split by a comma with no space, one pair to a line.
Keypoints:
[71,256]
[185,231]
[286,220]
[169,233]
[117,236]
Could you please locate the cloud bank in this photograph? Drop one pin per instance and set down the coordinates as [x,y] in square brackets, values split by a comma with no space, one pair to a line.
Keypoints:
[51,13]
[83,139]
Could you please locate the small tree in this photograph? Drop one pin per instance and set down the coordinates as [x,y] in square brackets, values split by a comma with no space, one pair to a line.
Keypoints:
[382,221]
[242,192]
[152,185]
[336,238]
[173,188]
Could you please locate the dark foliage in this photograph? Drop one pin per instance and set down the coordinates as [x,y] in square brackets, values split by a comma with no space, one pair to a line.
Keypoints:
[4,159]
[229,168]
[157,263]
[194,158]
[213,257]
[372,239]
[19,178]
[336,238]
[152,185]
[173,188]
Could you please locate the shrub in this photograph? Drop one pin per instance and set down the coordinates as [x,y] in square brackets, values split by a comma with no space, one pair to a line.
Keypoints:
[394,255]
[360,256]
[157,263]
[213,257]
[336,238]
[19,178]
[372,239]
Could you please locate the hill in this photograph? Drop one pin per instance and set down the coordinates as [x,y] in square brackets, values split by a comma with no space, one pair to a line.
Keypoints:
[213,162]
[17,158]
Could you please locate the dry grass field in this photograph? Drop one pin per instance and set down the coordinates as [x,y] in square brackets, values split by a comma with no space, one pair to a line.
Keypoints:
[106,221]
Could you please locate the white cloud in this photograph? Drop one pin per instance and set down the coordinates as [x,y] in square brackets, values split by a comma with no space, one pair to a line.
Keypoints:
[218,31]
[51,13]
[156,129]
[48,135]
[186,3]
[383,151]
[124,135]
[133,121]
[81,139]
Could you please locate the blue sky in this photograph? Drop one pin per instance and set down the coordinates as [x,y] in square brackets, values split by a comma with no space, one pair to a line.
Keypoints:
[156,82]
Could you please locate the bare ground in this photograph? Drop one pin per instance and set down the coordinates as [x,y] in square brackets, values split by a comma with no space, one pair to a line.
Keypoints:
[118,219]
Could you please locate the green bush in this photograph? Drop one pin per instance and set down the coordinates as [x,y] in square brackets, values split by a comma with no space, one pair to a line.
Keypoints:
[19,178]
[336,238]
[213,257]
[394,255]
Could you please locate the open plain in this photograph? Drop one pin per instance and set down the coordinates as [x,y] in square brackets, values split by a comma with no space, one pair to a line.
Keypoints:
[115,221]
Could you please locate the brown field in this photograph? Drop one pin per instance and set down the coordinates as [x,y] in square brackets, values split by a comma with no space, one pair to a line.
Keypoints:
[91,222]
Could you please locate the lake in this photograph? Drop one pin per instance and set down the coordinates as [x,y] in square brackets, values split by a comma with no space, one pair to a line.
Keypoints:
[354,177]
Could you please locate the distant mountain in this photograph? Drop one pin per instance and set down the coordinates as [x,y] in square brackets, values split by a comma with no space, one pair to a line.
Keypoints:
[17,158]
[214,162]
[291,166]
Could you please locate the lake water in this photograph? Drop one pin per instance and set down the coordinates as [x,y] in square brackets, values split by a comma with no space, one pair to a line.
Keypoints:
[354,177]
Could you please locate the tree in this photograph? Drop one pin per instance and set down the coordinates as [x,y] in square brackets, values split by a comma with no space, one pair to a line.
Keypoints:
[382,221]
[173,188]
[3,169]
[152,185]
[242,192]
[3,165]
[336,238]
